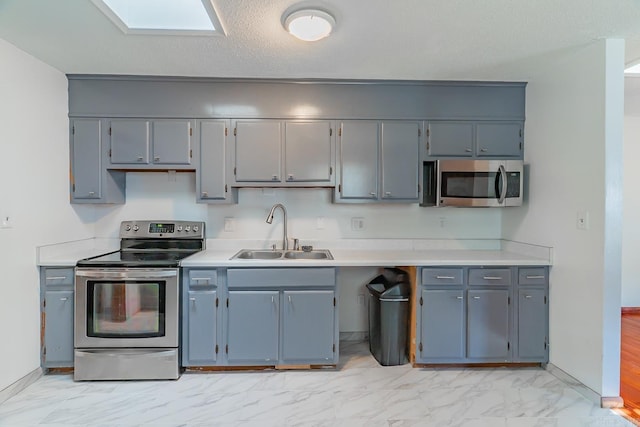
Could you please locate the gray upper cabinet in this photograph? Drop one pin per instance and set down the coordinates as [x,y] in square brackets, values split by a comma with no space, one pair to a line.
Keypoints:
[399,158]
[359,148]
[283,153]
[86,159]
[151,144]
[308,151]
[475,139]
[90,181]
[258,151]
[378,161]
[211,175]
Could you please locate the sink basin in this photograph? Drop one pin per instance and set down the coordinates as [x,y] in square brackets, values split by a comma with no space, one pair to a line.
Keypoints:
[251,254]
[281,255]
[318,254]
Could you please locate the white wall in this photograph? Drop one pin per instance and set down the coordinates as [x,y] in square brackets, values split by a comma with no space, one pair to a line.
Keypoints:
[34,193]
[631,222]
[574,106]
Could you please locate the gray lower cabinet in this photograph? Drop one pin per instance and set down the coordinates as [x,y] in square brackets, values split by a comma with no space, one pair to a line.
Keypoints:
[57,319]
[200,317]
[281,316]
[475,139]
[90,181]
[252,328]
[474,314]
[378,161]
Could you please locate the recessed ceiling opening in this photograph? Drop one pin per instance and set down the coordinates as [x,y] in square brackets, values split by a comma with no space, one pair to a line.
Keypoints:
[162,17]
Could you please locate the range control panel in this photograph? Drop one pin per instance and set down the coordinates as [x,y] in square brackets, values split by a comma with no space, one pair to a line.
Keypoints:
[162,229]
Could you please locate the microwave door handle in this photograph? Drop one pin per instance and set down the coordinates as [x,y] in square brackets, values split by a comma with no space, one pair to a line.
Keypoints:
[503,174]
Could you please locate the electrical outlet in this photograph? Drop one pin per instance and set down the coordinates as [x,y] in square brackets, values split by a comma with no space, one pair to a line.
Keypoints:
[229,224]
[6,222]
[582,220]
[443,221]
[357,223]
[320,223]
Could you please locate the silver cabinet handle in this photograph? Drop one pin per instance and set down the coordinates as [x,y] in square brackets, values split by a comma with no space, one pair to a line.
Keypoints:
[458,297]
[445,277]
[57,278]
[273,300]
[535,277]
[476,297]
[289,299]
[483,150]
[372,193]
[91,193]
[205,194]
[139,158]
[274,178]
[193,300]
[387,193]
[290,177]
[492,277]
[200,279]
[156,159]
[468,150]
[527,296]
[64,299]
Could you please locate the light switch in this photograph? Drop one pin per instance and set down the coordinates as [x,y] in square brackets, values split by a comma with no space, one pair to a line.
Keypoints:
[6,222]
[582,220]
[357,223]
[230,224]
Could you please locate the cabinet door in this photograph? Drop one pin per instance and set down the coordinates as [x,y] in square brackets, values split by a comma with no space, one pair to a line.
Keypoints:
[359,160]
[499,139]
[172,142]
[86,161]
[212,171]
[441,325]
[252,336]
[488,324]
[308,151]
[308,326]
[400,158]
[129,141]
[58,335]
[202,327]
[532,324]
[450,139]
[258,151]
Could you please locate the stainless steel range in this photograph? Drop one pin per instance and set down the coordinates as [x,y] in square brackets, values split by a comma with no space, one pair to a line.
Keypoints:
[126,303]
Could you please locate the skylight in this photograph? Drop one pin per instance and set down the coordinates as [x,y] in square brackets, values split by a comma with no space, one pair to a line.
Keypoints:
[635,69]
[162,17]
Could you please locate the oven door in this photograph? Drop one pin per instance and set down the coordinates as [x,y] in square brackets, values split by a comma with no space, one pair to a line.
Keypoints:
[125,308]
[480,183]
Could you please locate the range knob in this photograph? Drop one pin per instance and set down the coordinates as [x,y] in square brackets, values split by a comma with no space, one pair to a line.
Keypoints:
[136,228]
[128,228]
[179,228]
[187,228]
[195,228]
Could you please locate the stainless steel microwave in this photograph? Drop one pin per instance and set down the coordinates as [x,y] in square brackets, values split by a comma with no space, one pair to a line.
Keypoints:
[478,183]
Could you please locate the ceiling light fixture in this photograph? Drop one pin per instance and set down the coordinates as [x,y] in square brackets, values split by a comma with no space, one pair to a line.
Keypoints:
[309,24]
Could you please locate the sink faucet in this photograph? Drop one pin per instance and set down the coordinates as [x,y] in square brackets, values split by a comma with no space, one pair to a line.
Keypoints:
[285,239]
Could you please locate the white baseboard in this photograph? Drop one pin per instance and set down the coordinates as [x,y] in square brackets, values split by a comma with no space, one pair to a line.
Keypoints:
[20,385]
[596,398]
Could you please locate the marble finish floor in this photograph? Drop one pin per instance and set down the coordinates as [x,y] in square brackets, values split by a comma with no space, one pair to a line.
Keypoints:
[359,393]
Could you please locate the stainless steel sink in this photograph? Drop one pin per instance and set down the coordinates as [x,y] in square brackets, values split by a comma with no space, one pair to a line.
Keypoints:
[252,254]
[317,254]
[282,255]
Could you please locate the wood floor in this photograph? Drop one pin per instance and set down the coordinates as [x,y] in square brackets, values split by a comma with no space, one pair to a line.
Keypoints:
[630,364]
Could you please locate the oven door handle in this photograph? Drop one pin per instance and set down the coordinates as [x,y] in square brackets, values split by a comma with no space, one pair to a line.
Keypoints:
[127,274]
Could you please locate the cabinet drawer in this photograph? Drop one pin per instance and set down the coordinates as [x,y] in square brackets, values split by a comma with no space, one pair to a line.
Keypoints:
[489,276]
[532,276]
[281,277]
[203,278]
[442,276]
[58,277]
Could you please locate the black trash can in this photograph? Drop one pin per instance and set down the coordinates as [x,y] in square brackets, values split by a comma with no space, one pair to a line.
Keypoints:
[389,316]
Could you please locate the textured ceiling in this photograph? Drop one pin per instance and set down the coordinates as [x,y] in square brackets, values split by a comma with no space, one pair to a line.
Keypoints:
[374,39]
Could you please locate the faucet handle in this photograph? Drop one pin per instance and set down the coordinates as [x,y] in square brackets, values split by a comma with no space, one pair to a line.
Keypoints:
[296,244]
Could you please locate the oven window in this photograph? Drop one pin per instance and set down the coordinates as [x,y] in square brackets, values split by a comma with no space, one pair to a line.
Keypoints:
[125,309]
[471,185]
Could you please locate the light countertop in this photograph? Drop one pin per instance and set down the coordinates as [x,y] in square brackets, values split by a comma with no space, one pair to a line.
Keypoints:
[346,253]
